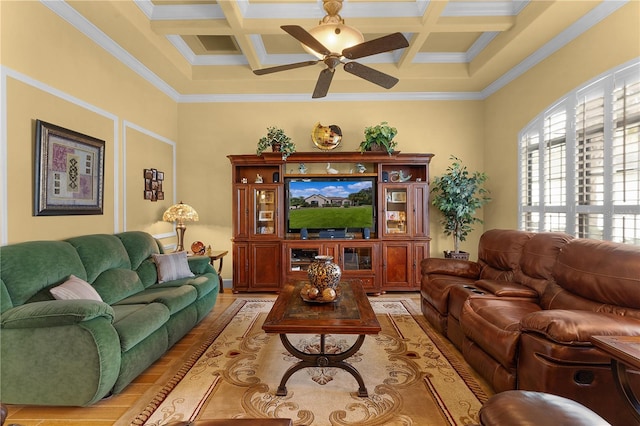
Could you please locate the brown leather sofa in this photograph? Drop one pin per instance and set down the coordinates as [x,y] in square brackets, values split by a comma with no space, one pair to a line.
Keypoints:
[523,314]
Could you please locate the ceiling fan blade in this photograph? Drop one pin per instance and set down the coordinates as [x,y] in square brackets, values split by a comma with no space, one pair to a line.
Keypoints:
[369,74]
[373,47]
[270,70]
[324,81]
[305,38]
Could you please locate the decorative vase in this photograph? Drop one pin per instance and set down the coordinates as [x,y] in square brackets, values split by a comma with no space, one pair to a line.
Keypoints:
[323,273]
[275,147]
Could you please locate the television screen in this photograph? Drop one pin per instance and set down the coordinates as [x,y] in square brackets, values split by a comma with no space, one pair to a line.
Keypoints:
[330,203]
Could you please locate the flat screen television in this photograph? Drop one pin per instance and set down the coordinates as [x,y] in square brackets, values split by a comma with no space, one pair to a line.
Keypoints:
[330,203]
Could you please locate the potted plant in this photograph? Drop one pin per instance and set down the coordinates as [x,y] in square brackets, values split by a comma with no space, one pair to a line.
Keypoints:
[379,138]
[458,194]
[278,141]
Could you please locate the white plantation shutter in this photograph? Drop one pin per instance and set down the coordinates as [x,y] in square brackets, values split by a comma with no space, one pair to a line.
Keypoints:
[582,176]
[530,180]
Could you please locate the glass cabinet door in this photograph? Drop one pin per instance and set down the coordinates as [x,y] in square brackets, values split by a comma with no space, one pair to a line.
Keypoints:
[357,258]
[395,211]
[301,258]
[265,211]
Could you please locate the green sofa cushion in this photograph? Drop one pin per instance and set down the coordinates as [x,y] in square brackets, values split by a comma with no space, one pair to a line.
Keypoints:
[114,285]
[5,298]
[100,253]
[148,272]
[80,362]
[174,298]
[27,268]
[134,323]
[203,284]
[54,313]
[199,264]
[139,245]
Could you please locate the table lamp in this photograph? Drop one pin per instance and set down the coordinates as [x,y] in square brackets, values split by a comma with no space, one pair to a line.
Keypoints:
[180,213]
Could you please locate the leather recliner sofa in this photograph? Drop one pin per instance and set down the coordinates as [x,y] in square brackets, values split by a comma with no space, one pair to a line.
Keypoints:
[523,315]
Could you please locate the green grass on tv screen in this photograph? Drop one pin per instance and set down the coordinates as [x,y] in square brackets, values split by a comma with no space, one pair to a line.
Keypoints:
[331,217]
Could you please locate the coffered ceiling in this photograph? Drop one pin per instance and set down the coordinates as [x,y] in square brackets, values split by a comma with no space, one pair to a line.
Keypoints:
[206,50]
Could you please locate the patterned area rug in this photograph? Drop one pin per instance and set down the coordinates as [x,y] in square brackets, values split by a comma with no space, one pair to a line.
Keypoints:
[410,378]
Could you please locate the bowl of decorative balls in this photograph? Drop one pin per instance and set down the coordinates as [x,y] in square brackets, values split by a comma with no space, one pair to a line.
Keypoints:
[313,294]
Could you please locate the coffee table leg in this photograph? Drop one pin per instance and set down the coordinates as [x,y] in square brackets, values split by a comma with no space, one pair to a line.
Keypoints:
[322,360]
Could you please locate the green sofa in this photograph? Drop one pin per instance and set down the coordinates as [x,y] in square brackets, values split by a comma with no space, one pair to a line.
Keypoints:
[76,352]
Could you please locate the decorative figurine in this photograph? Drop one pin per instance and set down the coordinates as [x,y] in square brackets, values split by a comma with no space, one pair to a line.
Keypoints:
[302,169]
[361,168]
[258,178]
[331,170]
[398,176]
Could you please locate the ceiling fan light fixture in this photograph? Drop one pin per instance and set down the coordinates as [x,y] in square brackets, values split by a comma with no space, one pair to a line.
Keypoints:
[335,37]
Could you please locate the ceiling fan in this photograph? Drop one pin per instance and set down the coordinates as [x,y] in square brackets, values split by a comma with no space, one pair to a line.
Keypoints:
[338,37]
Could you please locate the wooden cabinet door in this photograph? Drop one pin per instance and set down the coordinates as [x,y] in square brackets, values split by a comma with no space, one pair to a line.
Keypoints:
[241,211]
[397,265]
[264,211]
[419,210]
[420,251]
[240,267]
[265,266]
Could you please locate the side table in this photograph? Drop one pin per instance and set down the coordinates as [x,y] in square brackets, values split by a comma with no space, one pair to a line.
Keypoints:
[624,352]
[218,255]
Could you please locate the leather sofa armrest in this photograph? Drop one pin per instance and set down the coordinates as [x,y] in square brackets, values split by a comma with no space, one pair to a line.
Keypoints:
[506,289]
[53,313]
[575,328]
[454,267]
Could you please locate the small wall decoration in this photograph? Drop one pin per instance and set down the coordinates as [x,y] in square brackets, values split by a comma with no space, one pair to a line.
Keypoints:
[153,185]
[326,137]
[69,172]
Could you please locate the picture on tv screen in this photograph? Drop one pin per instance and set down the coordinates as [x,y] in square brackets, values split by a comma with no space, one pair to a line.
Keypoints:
[326,203]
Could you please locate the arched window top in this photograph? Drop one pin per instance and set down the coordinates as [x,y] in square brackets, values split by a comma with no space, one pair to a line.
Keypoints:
[579,161]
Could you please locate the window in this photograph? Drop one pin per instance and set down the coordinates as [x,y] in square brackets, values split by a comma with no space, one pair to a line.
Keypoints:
[580,162]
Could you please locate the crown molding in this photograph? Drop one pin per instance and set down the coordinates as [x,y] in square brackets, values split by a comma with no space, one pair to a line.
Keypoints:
[600,12]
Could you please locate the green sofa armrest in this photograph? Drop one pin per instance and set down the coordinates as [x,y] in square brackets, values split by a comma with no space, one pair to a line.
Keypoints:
[53,313]
[200,265]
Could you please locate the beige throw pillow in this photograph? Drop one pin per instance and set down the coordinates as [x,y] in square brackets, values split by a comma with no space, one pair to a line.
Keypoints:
[75,288]
[172,266]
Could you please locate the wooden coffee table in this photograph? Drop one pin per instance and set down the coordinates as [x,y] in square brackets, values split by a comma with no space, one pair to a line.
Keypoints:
[351,314]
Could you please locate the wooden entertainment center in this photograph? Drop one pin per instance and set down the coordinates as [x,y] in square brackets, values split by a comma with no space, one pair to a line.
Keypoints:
[265,255]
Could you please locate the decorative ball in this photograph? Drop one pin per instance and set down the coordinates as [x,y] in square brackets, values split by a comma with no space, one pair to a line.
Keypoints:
[198,248]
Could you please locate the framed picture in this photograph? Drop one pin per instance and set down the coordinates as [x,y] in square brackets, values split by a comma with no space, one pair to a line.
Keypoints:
[398,197]
[153,184]
[265,215]
[69,172]
[267,197]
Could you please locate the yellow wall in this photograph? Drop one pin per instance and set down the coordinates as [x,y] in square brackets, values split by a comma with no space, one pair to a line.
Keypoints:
[611,43]
[56,74]
[214,131]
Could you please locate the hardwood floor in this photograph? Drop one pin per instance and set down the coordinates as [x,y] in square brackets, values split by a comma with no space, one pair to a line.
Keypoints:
[107,411]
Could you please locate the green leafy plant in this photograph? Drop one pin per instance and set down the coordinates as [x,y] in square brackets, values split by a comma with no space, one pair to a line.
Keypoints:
[276,140]
[458,194]
[379,138]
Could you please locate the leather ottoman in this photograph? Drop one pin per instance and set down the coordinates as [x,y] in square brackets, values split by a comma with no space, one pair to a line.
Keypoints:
[527,408]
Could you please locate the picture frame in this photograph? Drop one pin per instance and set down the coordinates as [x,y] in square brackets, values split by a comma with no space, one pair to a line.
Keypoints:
[265,215]
[268,197]
[69,172]
[153,184]
[398,197]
